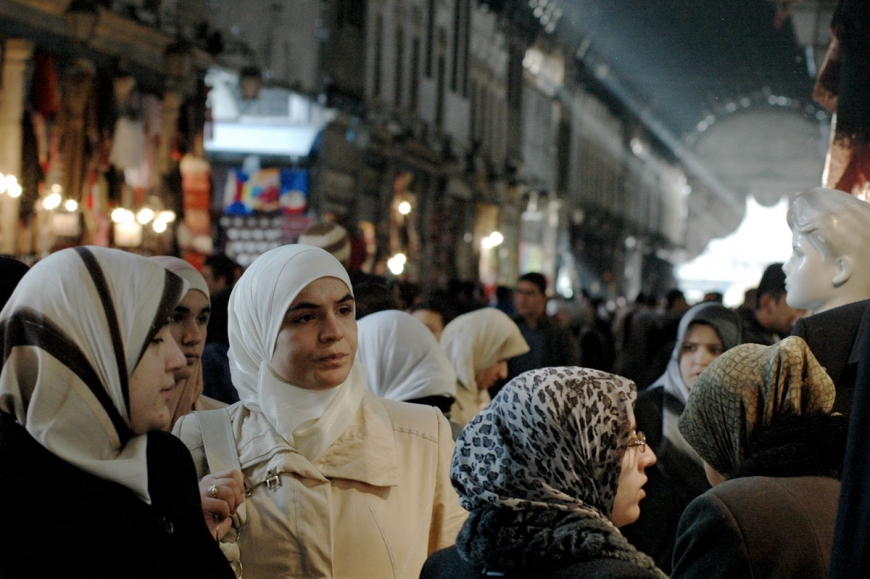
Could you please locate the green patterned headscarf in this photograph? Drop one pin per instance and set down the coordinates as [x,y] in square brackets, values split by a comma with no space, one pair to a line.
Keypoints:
[741,393]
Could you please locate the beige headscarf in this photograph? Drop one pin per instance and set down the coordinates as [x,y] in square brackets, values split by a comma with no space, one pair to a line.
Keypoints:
[189,390]
[744,390]
[473,342]
[74,331]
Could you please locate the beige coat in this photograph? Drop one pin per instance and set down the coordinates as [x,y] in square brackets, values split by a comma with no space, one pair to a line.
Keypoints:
[374,505]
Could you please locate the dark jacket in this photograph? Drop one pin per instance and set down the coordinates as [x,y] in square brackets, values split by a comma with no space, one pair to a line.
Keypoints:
[560,348]
[538,543]
[851,555]
[753,331]
[673,482]
[447,564]
[834,337]
[775,517]
[60,521]
[760,527]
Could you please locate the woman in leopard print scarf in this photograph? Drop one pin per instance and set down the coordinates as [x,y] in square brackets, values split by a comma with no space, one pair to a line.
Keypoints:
[540,470]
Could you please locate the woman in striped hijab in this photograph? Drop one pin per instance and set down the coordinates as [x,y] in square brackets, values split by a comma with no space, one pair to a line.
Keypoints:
[87,374]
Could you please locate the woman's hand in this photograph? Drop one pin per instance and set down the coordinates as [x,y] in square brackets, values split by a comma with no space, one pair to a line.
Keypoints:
[221,494]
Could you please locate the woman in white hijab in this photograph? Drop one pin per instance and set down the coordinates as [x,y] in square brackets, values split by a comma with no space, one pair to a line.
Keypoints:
[402,361]
[87,373]
[188,325]
[340,483]
[479,344]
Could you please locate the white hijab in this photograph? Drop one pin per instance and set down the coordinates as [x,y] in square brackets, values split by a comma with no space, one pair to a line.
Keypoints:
[74,331]
[477,340]
[402,359]
[307,419]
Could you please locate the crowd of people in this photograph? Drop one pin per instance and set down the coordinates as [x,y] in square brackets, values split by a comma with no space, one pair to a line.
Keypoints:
[300,420]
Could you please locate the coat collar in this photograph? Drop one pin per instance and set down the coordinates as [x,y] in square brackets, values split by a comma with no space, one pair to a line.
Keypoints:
[364,452]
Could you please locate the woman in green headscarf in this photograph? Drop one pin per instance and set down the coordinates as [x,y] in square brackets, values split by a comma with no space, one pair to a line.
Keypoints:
[760,418]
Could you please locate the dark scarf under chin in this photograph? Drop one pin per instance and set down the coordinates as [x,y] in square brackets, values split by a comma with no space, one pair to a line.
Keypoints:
[544,538]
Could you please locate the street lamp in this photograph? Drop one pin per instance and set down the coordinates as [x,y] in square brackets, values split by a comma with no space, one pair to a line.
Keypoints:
[81,20]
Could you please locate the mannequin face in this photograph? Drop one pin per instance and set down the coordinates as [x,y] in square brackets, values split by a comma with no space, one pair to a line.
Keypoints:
[317,341]
[701,345]
[809,275]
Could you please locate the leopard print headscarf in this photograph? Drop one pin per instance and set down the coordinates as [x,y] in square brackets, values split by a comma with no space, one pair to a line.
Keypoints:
[549,439]
[744,390]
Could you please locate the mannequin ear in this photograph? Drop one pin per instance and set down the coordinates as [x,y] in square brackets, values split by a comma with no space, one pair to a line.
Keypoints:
[843,272]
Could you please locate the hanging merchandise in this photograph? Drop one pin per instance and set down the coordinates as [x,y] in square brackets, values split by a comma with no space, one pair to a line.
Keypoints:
[31,171]
[196,184]
[266,190]
[77,126]
[128,140]
[45,84]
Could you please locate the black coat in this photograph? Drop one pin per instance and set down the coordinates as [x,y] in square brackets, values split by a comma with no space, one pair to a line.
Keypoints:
[834,338]
[760,527]
[774,519]
[673,482]
[447,564]
[851,556]
[59,521]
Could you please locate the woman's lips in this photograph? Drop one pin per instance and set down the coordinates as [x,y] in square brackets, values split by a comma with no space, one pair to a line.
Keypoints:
[333,359]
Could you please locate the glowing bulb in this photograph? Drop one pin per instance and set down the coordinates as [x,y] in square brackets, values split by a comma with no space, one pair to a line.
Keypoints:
[400,258]
[166,216]
[71,205]
[15,190]
[159,225]
[496,238]
[396,265]
[145,215]
[404,207]
[52,201]
[121,215]
[486,243]
[56,188]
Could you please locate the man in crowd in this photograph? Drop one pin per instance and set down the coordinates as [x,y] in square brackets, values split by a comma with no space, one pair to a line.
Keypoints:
[551,343]
[772,319]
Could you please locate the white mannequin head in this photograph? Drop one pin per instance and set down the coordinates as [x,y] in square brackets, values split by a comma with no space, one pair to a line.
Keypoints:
[829,265]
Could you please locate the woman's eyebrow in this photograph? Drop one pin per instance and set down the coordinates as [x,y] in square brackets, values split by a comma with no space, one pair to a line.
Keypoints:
[311,306]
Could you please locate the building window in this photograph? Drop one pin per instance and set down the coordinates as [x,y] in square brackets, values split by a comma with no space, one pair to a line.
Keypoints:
[430,39]
[400,65]
[379,55]
[415,74]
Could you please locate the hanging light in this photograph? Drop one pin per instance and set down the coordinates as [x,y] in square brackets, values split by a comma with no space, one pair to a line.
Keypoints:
[71,205]
[145,215]
[121,215]
[81,20]
[52,201]
[159,226]
[397,263]
[404,208]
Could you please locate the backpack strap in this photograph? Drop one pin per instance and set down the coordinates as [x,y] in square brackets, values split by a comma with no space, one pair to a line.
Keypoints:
[218,441]
[221,453]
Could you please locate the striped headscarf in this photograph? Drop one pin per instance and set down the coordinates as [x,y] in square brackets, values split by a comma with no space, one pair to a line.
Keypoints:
[74,331]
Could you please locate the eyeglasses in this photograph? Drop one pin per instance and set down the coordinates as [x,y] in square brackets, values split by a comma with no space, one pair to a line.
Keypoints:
[636,441]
